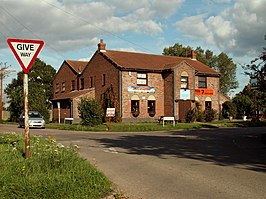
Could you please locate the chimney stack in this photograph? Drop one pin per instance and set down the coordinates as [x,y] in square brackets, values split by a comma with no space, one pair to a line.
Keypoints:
[101,46]
[193,55]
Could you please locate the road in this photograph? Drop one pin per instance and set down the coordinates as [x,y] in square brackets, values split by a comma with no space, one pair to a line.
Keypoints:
[190,164]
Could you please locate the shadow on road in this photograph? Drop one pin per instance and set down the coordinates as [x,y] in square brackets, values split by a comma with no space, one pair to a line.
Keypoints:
[228,147]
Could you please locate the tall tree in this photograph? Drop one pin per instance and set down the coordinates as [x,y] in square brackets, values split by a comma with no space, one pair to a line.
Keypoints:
[221,63]
[40,90]
[257,72]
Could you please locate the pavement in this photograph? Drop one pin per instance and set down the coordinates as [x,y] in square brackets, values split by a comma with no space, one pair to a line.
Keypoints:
[207,163]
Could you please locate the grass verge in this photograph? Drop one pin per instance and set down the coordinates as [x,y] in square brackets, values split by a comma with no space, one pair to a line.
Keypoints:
[52,171]
[138,127]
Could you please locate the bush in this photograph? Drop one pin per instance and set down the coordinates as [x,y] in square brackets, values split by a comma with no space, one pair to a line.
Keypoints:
[191,115]
[210,115]
[90,113]
[200,116]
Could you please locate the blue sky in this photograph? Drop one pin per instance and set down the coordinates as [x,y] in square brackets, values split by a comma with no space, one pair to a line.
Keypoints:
[72,29]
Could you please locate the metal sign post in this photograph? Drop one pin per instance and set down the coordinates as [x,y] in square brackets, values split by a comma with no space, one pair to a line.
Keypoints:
[26,51]
[26,113]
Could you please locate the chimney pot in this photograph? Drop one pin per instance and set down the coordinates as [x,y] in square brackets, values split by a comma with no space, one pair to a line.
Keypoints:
[101,46]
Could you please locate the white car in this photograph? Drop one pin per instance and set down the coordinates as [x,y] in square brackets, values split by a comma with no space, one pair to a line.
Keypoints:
[35,120]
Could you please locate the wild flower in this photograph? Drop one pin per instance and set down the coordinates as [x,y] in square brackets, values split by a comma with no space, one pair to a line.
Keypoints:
[51,139]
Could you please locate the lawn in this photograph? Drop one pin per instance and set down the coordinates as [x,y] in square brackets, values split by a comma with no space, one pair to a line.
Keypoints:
[52,171]
[139,127]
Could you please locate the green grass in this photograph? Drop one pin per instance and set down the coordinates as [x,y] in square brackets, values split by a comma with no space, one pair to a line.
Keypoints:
[130,127]
[135,127]
[52,171]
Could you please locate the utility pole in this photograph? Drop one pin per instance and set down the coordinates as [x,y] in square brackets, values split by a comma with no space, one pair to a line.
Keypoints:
[4,72]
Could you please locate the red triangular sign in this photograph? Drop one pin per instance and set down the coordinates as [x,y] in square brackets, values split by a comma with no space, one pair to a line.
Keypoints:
[25,51]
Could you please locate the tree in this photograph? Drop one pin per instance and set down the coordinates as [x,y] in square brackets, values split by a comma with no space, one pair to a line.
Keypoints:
[229,109]
[244,104]
[257,72]
[40,90]
[221,63]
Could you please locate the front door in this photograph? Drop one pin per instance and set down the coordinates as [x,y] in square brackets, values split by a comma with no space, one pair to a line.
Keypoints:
[184,106]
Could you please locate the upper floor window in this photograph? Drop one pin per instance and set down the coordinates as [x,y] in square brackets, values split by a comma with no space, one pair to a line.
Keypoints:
[184,82]
[202,82]
[91,82]
[72,85]
[57,88]
[142,79]
[82,83]
[63,88]
[103,80]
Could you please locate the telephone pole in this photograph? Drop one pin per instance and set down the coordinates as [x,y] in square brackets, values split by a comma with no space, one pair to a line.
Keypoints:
[4,72]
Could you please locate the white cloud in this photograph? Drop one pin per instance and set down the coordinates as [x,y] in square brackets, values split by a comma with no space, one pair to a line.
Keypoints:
[239,29]
[70,25]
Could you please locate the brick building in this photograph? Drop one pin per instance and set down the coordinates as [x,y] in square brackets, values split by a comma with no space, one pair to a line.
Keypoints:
[146,86]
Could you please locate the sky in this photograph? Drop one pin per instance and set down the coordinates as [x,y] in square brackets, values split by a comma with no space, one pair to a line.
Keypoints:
[71,29]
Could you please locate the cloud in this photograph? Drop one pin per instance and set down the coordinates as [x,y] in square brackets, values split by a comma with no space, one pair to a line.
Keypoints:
[239,29]
[70,25]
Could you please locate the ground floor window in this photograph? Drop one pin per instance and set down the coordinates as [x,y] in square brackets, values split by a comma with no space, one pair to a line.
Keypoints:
[151,107]
[208,105]
[135,107]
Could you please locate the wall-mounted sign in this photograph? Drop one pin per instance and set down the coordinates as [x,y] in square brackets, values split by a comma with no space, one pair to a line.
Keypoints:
[204,91]
[141,89]
[184,94]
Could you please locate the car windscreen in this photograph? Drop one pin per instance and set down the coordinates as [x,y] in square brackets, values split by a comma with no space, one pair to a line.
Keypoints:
[35,115]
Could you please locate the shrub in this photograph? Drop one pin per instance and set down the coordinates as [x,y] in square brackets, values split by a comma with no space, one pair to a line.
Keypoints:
[210,115]
[90,113]
[191,115]
[200,116]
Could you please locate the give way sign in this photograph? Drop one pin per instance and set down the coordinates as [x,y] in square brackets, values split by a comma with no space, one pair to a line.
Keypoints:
[25,51]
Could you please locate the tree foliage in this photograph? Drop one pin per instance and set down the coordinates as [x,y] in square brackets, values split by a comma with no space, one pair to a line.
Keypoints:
[40,83]
[221,63]
[254,94]
[229,109]
[90,112]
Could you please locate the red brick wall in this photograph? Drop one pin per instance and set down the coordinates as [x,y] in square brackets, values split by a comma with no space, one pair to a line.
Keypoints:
[65,74]
[191,84]
[154,80]
[98,66]
[212,83]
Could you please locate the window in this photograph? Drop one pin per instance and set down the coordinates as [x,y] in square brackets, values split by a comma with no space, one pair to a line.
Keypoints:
[63,86]
[57,88]
[91,82]
[184,82]
[72,85]
[208,105]
[135,107]
[103,80]
[81,83]
[202,82]
[151,107]
[142,79]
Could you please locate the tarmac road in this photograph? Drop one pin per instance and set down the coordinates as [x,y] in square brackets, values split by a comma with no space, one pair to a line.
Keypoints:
[190,164]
